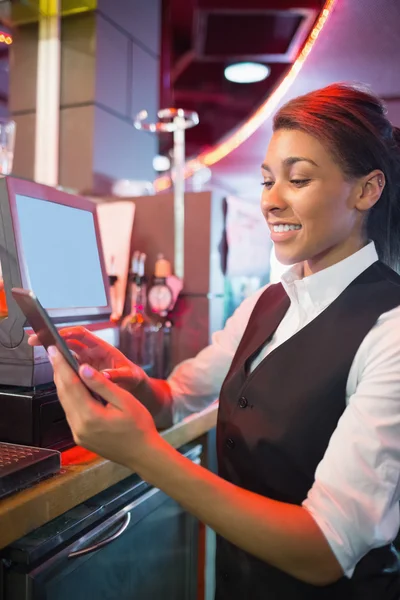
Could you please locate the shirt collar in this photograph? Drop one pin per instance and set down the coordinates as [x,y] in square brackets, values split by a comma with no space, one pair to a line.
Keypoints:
[324,287]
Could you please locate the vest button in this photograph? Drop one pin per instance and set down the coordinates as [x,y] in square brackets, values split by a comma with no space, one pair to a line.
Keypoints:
[243,402]
[224,576]
[230,443]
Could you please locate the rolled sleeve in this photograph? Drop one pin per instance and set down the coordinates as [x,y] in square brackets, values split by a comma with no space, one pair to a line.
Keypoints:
[356,493]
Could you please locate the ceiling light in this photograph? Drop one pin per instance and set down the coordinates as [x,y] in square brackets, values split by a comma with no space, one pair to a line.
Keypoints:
[246,72]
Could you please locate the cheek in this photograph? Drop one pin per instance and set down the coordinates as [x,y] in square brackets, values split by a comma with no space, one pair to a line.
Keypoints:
[309,207]
[321,209]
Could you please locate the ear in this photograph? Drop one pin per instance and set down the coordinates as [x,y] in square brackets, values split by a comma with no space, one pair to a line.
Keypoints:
[370,190]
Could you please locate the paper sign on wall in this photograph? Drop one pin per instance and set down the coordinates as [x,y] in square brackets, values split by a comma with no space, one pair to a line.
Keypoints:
[116,223]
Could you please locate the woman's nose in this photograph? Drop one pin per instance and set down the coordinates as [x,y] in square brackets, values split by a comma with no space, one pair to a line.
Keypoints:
[273,200]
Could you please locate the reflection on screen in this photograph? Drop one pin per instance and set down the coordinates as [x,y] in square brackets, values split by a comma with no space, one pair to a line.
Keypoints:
[61,254]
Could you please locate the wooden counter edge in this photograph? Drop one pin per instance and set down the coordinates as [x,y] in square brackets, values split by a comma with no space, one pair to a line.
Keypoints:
[27,510]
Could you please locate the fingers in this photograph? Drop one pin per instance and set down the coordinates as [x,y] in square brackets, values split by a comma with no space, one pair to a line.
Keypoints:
[33,340]
[72,393]
[122,431]
[103,386]
[124,377]
[80,334]
[76,346]
[83,342]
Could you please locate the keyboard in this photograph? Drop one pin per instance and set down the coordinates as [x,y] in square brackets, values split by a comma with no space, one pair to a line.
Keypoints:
[22,466]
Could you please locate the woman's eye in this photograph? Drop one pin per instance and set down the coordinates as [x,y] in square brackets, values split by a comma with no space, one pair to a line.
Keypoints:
[267,184]
[300,182]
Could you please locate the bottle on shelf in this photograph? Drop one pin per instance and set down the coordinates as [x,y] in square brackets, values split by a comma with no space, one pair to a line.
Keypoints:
[132,274]
[160,299]
[160,295]
[138,330]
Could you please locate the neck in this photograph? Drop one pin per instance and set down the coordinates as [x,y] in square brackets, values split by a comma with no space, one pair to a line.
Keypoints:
[332,256]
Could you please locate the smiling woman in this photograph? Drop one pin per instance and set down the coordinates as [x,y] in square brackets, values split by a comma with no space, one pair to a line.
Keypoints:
[334,155]
[323,209]
[306,500]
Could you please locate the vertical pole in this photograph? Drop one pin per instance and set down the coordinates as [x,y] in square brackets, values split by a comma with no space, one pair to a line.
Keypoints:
[179,195]
[48,94]
[181,120]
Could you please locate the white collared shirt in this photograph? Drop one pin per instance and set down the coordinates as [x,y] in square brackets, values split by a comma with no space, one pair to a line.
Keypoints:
[356,493]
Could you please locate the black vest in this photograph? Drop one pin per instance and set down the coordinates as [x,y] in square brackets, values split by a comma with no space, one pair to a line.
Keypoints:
[274,425]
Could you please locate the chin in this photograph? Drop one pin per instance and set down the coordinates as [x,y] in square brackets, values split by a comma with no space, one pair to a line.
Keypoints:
[287,260]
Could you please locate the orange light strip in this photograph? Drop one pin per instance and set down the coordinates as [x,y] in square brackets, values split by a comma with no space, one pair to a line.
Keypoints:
[212,156]
[5,38]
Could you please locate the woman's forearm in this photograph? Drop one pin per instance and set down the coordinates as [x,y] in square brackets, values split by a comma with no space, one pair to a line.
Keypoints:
[156,396]
[283,535]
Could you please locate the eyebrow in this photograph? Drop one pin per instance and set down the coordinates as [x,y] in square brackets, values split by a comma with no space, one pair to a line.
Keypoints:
[291,160]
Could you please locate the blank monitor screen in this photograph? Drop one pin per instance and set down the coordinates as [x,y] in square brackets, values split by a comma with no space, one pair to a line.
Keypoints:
[61,254]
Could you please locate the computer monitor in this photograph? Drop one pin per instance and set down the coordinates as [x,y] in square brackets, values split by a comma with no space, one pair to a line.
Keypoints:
[50,243]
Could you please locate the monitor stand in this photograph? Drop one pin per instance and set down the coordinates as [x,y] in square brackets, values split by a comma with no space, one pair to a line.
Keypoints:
[34,417]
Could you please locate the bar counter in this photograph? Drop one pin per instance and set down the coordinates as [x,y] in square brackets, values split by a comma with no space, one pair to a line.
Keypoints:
[83,475]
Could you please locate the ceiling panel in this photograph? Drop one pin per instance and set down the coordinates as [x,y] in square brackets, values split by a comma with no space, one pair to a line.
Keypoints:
[360,43]
[204,37]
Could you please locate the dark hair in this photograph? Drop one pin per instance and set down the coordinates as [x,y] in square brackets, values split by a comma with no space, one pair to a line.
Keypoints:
[352,123]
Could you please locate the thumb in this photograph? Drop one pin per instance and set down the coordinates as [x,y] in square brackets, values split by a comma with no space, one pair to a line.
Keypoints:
[125,377]
[99,384]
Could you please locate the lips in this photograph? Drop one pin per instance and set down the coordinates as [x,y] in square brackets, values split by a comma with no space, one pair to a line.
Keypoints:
[283,231]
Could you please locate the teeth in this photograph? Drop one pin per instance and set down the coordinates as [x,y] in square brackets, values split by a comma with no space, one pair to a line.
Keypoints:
[281,228]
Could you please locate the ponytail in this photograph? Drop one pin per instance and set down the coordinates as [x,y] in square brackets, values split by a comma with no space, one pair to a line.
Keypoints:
[383,223]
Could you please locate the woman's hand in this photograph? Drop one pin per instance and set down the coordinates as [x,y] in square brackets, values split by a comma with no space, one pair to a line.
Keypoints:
[122,431]
[155,394]
[97,353]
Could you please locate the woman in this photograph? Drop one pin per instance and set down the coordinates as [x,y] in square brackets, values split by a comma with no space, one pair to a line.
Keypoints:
[307,372]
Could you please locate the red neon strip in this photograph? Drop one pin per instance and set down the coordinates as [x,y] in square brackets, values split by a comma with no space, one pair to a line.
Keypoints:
[212,156]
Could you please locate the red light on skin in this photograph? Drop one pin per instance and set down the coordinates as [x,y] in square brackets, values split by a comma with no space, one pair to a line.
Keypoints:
[221,150]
